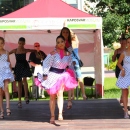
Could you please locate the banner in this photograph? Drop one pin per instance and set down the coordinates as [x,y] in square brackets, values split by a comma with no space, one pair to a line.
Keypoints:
[31,23]
[84,23]
[49,23]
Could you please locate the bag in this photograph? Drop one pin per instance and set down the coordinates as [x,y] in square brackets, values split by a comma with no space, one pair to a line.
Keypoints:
[88,81]
[80,63]
[79,60]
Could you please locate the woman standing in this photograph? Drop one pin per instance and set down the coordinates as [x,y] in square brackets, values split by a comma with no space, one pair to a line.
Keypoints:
[75,46]
[116,56]
[6,76]
[22,69]
[123,80]
[65,32]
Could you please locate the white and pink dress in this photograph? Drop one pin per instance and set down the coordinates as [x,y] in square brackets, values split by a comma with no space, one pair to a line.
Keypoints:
[54,66]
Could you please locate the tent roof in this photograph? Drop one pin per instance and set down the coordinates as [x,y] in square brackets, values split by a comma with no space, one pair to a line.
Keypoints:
[47,8]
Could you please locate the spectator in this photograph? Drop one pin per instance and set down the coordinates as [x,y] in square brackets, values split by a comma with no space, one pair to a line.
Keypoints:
[35,60]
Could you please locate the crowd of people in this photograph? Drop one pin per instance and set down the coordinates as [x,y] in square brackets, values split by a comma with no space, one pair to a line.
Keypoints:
[56,72]
[60,72]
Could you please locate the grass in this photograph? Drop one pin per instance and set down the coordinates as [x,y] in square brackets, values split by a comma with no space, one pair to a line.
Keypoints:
[110,90]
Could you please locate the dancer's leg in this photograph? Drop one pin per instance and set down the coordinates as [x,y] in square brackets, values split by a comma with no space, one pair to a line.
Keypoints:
[1,104]
[26,90]
[69,104]
[19,92]
[7,95]
[82,88]
[72,94]
[52,108]
[121,100]
[125,102]
[60,102]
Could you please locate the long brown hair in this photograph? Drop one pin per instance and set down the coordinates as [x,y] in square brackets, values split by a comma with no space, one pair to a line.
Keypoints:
[2,39]
[69,37]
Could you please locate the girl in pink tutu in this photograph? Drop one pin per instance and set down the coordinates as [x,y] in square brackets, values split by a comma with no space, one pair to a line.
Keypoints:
[56,78]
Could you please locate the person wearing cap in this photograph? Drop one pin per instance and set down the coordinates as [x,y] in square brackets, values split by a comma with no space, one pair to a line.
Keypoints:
[35,59]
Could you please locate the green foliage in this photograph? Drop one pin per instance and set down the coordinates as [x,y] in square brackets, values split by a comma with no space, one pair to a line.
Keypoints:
[7,6]
[116,18]
[112,64]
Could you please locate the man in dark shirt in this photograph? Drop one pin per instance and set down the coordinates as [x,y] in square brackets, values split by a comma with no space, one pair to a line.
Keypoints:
[36,59]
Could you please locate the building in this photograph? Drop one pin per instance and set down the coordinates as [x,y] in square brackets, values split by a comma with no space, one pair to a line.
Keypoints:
[8,6]
[79,4]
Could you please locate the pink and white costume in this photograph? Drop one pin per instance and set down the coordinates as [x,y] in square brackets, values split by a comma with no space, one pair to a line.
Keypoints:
[55,80]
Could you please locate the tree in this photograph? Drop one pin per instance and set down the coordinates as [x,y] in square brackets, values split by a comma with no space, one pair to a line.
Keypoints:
[7,7]
[116,18]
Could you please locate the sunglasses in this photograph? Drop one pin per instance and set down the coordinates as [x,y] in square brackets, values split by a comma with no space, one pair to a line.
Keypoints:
[37,46]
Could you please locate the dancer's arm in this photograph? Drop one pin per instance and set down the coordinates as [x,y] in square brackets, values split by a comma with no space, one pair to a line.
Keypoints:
[120,66]
[29,50]
[12,51]
[114,56]
[47,63]
[9,61]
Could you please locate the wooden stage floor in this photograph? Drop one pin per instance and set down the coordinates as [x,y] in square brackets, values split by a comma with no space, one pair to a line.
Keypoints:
[92,114]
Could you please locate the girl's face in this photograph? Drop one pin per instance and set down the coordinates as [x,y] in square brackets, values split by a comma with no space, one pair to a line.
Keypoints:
[128,43]
[60,43]
[21,43]
[1,44]
[65,33]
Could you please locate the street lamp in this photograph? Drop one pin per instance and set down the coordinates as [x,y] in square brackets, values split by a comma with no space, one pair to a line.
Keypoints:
[116,45]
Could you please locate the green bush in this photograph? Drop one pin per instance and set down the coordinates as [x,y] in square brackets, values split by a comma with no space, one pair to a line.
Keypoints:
[112,64]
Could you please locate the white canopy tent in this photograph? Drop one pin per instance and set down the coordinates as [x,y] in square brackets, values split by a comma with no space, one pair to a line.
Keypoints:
[41,22]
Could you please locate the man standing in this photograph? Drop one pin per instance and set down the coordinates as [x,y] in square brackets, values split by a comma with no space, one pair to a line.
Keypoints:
[35,60]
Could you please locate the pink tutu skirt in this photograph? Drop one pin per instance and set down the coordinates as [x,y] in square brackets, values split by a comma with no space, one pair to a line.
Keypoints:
[66,80]
[37,82]
[71,72]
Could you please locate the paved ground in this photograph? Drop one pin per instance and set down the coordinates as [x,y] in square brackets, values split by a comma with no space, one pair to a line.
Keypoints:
[93,114]
[109,73]
[89,71]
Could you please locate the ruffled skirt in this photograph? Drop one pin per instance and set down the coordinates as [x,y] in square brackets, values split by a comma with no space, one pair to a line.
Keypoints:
[55,81]
[5,73]
[124,82]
